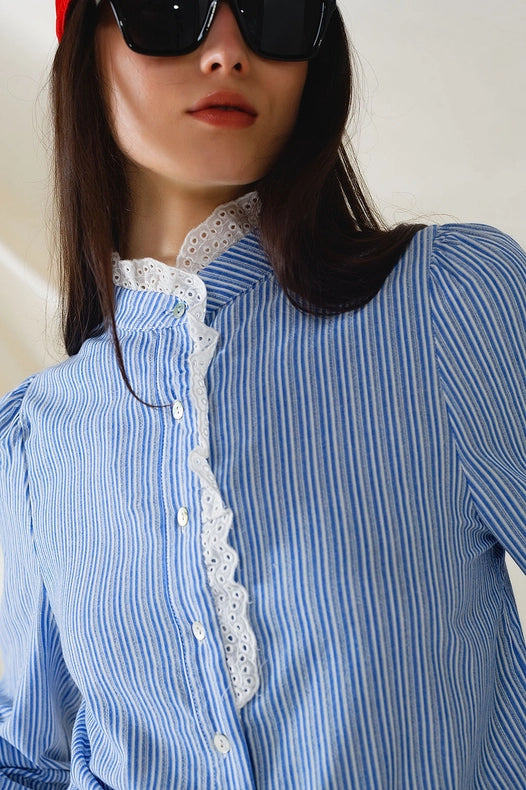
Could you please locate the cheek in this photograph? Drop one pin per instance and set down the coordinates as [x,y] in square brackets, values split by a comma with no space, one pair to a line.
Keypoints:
[293,87]
[130,112]
[292,84]
[132,96]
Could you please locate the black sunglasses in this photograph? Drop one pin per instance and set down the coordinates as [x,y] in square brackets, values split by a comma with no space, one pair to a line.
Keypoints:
[276,29]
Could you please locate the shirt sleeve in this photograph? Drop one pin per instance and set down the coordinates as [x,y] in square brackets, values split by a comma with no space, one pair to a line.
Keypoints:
[38,699]
[478,300]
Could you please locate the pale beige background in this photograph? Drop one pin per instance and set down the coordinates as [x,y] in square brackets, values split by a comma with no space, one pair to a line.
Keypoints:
[440,133]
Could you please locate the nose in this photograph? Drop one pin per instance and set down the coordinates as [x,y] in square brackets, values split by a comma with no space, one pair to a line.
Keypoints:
[224,47]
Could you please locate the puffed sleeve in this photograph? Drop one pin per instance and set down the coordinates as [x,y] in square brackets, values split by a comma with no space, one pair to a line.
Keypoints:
[38,700]
[478,299]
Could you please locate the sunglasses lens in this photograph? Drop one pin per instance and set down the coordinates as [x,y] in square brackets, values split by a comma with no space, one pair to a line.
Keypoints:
[281,29]
[162,27]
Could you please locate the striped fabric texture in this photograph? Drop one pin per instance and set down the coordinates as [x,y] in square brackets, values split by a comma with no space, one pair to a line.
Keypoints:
[372,469]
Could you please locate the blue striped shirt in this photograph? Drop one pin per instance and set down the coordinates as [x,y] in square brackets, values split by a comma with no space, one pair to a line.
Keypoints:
[293,576]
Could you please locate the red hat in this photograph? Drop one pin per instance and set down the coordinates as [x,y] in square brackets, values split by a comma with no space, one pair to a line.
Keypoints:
[62,7]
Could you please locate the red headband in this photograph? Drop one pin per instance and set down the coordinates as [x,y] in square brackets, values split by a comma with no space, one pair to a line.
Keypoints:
[62,7]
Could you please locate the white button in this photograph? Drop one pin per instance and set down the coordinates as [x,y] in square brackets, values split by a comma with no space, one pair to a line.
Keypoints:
[221,743]
[199,631]
[178,410]
[179,309]
[182,517]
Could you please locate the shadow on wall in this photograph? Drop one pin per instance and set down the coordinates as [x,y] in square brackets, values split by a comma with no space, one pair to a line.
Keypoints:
[28,322]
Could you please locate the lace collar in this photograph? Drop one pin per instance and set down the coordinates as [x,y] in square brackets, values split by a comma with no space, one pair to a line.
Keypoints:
[225,226]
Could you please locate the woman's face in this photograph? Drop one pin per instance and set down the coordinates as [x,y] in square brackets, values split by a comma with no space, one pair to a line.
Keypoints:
[168,122]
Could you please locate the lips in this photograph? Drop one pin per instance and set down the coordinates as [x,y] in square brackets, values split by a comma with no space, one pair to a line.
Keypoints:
[224,101]
[225,110]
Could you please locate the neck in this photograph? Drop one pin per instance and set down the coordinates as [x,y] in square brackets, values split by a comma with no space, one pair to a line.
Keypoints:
[163,214]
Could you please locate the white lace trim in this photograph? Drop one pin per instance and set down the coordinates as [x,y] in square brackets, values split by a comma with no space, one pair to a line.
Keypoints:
[227,225]
[221,560]
[148,274]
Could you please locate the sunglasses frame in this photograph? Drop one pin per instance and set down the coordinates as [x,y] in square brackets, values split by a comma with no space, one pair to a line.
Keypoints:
[327,8]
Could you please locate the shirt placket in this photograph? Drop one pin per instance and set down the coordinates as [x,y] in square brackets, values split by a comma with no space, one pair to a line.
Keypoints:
[192,601]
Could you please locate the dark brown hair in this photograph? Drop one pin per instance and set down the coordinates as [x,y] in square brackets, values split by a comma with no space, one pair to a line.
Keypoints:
[329,248]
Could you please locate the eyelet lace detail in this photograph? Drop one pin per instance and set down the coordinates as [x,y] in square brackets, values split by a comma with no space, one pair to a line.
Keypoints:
[148,274]
[221,560]
[226,225]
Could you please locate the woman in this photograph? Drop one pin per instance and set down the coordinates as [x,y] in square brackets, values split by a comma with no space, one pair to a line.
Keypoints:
[254,527]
